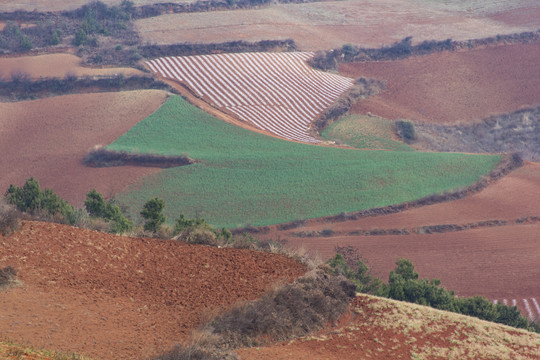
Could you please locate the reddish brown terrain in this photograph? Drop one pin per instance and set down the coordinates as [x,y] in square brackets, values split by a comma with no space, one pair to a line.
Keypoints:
[113,297]
[55,65]
[453,87]
[386,329]
[48,138]
[495,261]
[330,24]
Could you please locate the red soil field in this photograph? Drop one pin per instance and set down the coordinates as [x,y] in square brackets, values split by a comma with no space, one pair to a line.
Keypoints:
[55,65]
[496,262]
[48,138]
[453,87]
[109,297]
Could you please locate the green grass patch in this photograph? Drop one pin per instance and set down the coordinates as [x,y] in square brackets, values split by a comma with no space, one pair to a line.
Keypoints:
[365,132]
[248,178]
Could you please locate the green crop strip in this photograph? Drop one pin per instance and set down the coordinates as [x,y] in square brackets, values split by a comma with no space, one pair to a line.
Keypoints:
[364,132]
[247,178]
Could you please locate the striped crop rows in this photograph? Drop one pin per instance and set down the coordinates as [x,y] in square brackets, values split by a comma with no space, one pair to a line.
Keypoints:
[276,92]
[529,307]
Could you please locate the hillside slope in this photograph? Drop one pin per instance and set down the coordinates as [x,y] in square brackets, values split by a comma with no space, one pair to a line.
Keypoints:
[109,296]
[388,329]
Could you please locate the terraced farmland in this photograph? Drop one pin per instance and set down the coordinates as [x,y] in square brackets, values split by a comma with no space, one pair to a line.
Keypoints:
[276,92]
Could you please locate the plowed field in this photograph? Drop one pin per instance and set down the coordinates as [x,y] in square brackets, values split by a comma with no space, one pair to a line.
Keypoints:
[330,24]
[47,139]
[453,87]
[115,297]
[275,92]
[55,65]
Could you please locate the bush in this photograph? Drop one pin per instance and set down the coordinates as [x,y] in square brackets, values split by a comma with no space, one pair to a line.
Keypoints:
[153,214]
[9,218]
[7,276]
[98,208]
[30,198]
[405,130]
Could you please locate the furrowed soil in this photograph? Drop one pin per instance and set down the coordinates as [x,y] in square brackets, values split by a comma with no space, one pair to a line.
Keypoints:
[55,65]
[330,24]
[383,329]
[113,297]
[48,138]
[495,260]
[453,87]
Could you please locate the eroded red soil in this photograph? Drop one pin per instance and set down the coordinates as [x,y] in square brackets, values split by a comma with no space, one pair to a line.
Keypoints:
[453,87]
[115,297]
[48,138]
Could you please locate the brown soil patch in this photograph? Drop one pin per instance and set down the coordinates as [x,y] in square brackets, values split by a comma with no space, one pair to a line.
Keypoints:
[48,138]
[55,65]
[387,329]
[491,261]
[115,297]
[325,25]
[453,87]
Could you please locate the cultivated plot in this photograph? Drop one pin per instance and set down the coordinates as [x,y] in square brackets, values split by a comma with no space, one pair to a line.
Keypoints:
[276,92]
[529,307]
[330,24]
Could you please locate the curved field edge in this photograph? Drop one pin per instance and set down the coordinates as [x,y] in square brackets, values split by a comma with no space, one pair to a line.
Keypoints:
[243,178]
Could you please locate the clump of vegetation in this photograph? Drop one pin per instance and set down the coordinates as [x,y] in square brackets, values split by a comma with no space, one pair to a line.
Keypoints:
[293,310]
[30,198]
[101,157]
[109,211]
[153,214]
[518,131]
[7,276]
[405,130]
[404,284]
[9,217]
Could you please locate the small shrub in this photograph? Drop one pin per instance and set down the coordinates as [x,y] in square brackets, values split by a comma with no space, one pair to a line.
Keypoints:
[153,214]
[405,130]
[9,218]
[7,276]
